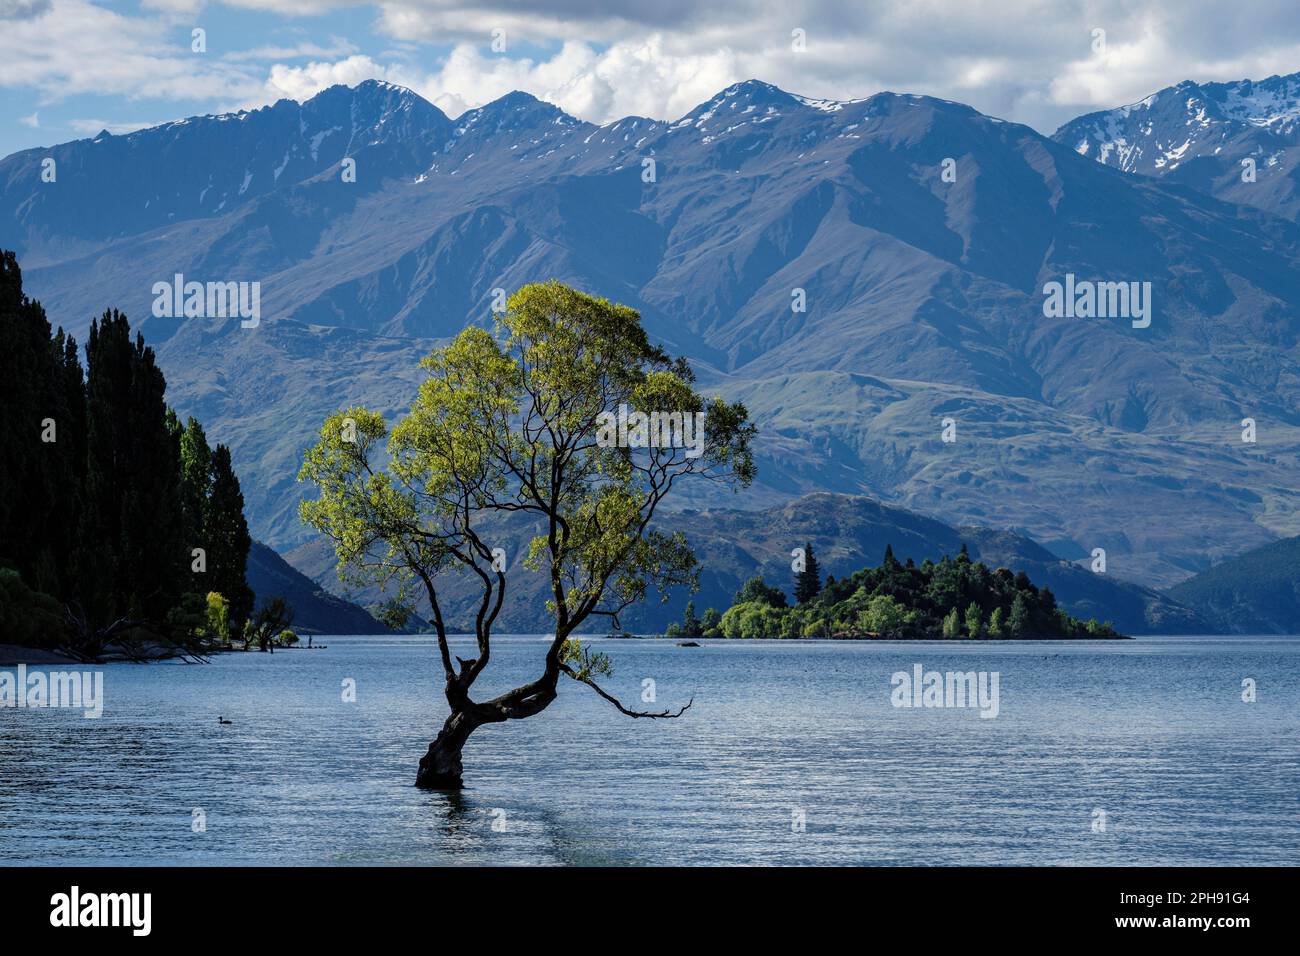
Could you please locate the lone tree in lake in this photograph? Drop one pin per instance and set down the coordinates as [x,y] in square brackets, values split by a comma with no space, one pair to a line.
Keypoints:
[520,423]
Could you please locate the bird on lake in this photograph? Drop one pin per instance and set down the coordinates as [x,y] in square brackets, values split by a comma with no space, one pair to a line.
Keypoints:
[222,720]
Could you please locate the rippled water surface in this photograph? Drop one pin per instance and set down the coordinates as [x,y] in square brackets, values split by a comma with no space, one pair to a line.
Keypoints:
[1153,732]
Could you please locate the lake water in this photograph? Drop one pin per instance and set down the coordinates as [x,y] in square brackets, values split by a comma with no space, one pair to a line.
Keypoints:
[1152,732]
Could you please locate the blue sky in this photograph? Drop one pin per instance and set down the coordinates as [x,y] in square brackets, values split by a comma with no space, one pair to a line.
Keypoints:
[71,67]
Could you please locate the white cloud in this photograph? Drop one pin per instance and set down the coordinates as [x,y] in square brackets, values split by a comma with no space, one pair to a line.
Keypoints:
[79,48]
[1129,70]
[627,78]
[1025,60]
[336,47]
[34,121]
[92,127]
[304,82]
[22,9]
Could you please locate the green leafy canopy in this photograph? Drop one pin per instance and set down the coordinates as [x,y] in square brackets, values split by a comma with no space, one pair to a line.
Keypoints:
[507,422]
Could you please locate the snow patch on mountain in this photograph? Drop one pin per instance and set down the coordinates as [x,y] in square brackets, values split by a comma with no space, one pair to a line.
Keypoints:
[1216,129]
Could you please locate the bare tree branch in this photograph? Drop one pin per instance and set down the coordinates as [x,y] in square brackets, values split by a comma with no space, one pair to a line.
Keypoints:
[664,714]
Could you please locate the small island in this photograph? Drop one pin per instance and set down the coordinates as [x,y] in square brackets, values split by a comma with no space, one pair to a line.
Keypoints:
[954,598]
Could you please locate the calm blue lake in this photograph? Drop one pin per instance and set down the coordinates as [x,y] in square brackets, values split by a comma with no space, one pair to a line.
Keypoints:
[792,754]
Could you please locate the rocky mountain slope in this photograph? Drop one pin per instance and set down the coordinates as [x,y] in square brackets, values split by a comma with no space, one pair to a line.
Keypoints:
[924,296]
[315,609]
[1199,135]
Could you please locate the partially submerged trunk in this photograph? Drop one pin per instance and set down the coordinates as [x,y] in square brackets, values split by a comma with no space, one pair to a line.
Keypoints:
[440,768]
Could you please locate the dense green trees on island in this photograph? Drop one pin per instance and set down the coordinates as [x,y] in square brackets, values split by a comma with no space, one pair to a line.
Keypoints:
[119,526]
[953,598]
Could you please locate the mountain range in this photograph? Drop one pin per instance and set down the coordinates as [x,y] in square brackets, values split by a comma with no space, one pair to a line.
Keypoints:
[1239,142]
[918,233]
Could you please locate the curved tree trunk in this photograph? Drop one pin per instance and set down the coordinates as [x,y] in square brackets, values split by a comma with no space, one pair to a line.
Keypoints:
[440,768]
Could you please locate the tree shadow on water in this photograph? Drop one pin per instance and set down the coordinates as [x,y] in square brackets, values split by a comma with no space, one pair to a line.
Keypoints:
[485,831]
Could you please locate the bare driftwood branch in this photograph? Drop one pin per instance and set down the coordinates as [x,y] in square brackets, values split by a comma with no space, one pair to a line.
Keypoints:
[89,642]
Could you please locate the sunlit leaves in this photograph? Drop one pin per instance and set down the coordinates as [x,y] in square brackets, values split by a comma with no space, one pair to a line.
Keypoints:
[369,518]
[584,662]
[507,422]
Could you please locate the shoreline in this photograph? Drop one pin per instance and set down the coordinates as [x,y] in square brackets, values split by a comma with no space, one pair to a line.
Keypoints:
[11,655]
[882,640]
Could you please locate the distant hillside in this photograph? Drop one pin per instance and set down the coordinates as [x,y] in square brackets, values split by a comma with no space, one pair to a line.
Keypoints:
[315,611]
[1082,592]
[847,533]
[1255,593]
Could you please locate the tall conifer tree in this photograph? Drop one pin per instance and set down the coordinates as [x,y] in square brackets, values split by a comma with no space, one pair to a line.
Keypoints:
[228,539]
[103,494]
[134,520]
[196,481]
[808,582]
[42,434]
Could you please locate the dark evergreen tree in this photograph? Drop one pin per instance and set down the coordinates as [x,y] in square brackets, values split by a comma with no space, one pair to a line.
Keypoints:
[228,539]
[1047,600]
[1018,623]
[52,504]
[196,480]
[133,557]
[69,476]
[690,623]
[808,582]
[103,493]
[42,434]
